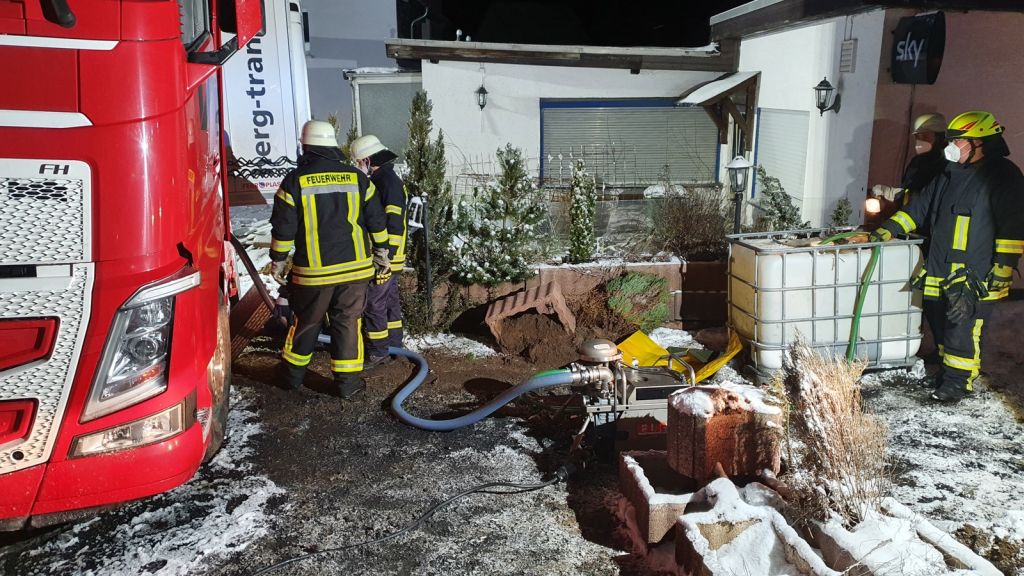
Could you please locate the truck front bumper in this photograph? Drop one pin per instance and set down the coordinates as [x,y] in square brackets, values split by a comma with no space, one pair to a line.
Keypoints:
[69,489]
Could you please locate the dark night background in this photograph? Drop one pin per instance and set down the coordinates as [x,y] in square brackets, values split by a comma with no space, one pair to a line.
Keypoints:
[589,22]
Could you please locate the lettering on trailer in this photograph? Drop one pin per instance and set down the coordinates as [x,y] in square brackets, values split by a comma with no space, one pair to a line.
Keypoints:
[257,89]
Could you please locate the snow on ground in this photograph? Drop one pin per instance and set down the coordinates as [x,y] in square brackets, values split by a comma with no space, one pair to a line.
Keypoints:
[450,343]
[955,464]
[250,224]
[218,513]
[671,337]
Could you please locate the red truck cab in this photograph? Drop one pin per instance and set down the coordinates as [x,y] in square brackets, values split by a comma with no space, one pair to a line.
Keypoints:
[113,263]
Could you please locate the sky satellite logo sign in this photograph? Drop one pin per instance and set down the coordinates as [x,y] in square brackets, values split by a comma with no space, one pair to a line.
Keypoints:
[918,44]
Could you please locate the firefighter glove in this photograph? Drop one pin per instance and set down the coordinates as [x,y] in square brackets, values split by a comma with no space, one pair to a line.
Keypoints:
[887,192]
[277,270]
[880,235]
[960,303]
[1000,277]
[963,291]
[381,265]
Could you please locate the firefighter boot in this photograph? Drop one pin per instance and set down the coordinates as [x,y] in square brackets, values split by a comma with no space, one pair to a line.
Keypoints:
[290,376]
[349,385]
[949,392]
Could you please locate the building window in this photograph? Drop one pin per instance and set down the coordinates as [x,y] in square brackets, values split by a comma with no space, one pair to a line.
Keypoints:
[782,148]
[382,106]
[628,143]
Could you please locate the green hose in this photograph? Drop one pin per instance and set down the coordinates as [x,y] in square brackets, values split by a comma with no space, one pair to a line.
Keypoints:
[851,347]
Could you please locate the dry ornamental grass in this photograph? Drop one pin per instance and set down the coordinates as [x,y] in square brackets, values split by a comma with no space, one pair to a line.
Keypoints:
[841,452]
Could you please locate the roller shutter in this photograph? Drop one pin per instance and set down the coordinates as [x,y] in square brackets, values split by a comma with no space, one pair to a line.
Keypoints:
[628,143]
[782,147]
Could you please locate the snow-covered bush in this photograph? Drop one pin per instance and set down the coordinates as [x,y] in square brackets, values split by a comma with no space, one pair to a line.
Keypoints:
[777,209]
[496,230]
[692,226]
[582,211]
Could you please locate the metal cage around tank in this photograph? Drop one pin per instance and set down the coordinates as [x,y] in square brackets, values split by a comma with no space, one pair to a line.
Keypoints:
[779,290]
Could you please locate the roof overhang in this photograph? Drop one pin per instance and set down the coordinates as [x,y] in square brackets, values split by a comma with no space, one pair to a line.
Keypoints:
[762,16]
[733,95]
[724,58]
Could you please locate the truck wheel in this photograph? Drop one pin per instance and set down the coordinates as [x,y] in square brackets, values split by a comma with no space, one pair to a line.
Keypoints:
[219,376]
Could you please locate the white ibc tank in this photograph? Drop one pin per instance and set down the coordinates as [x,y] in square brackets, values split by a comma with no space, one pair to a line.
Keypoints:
[778,290]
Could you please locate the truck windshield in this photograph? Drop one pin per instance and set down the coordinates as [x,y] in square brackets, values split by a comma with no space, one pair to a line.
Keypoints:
[195,22]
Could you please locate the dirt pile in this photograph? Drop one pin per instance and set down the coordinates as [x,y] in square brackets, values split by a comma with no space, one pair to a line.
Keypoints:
[546,342]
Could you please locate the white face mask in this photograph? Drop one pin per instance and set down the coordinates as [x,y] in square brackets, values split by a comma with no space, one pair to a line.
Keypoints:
[951,152]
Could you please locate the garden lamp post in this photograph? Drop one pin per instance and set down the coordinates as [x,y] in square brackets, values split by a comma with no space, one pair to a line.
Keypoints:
[738,168]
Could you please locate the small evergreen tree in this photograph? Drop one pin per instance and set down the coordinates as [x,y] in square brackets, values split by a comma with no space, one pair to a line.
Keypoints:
[427,177]
[582,211]
[497,229]
[779,213]
[350,137]
[841,214]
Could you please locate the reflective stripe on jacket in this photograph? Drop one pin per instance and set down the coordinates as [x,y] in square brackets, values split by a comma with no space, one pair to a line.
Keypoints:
[394,198]
[326,210]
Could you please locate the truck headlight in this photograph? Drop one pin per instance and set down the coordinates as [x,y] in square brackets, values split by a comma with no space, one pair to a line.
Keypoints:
[149,430]
[134,364]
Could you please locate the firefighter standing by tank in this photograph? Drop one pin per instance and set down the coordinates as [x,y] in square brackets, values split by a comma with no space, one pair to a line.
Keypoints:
[326,210]
[929,141]
[383,314]
[975,211]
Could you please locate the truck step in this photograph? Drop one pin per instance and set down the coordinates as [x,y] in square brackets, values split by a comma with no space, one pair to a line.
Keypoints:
[248,317]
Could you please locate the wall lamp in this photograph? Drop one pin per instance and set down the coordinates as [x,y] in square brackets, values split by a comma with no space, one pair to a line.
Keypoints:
[826,98]
[481,96]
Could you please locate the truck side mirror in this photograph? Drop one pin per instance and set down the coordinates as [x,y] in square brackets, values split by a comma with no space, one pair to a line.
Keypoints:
[243,18]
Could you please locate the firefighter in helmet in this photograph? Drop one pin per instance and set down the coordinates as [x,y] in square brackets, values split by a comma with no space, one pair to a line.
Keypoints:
[929,140]
[382,318]
[326,210]
[975,211]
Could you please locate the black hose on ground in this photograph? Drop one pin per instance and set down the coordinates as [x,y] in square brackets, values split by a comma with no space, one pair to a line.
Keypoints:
[562,474]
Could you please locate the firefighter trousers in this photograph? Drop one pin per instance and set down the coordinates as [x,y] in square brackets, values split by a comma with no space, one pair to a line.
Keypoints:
[383,317]
[341,305]
[959,345]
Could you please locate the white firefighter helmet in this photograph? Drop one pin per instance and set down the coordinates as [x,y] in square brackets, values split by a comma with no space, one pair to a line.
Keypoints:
[365,146]
[932,122]
[318,133]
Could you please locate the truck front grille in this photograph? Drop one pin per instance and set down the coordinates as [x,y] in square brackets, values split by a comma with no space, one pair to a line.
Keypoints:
[44,211]
[48,381]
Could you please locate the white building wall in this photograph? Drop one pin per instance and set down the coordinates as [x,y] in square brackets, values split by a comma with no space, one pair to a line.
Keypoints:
[792,62]
[512,114]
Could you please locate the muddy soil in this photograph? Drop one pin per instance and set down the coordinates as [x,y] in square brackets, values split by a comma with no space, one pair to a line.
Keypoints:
[545,342]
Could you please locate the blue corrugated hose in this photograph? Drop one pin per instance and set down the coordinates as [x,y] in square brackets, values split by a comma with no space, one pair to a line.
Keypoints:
[539,381]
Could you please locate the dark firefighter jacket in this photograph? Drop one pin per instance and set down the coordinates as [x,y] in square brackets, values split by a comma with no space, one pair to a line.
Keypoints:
[394,198]
[976,217]
[920,171]
[326,210]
